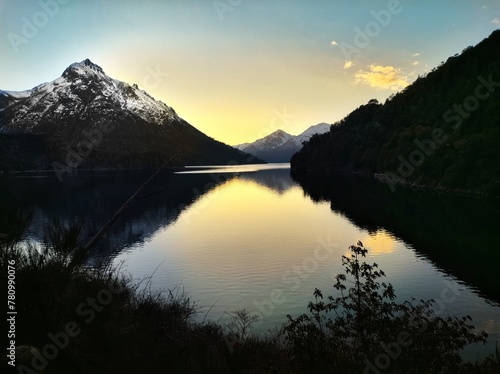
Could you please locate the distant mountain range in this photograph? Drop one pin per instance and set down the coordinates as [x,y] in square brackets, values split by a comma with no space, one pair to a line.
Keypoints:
[85,119]
[280,146]
[441,132]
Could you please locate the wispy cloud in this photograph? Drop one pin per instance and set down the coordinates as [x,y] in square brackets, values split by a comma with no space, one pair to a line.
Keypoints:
[382,77]
[415,63]
[348,64]
[416,54]
[334,43]
[496,22]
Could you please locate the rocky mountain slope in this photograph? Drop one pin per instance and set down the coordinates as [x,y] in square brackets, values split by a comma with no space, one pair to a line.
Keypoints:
[86,119]
[280,146]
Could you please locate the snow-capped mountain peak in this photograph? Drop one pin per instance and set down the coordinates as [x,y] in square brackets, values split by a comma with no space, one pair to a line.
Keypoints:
[274,140]
[320,128]
[83,68]
[85,89]
[280,146]
[86,119]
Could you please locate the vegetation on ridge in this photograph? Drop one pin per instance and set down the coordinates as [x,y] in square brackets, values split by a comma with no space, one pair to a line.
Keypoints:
[442,131]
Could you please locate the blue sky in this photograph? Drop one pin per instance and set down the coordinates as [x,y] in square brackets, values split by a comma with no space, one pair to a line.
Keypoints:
[240,69]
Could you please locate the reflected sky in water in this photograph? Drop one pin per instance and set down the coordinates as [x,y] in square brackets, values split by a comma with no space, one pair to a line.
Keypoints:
[253,237]
[258,241]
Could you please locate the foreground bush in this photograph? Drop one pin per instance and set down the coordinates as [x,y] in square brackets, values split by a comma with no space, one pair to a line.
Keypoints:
[84,320]
[364,330]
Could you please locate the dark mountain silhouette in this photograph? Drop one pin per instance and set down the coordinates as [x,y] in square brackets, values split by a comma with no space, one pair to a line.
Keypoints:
[85,119]
[442,131]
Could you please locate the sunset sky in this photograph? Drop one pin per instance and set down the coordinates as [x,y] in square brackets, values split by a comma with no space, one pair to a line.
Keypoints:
[240,69]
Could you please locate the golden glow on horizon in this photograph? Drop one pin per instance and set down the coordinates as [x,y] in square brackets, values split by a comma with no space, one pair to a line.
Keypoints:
[238,101]
[243,206]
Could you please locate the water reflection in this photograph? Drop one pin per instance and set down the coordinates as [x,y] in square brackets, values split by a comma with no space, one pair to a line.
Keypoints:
[278,180]
[235,238]
[380,242]
[93,199]
[457,233]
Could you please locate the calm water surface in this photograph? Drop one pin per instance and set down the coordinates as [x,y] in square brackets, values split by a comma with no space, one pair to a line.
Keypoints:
[253,237]
[258,241]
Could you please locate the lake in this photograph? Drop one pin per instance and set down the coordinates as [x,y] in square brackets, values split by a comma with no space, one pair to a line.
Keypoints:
[258,238]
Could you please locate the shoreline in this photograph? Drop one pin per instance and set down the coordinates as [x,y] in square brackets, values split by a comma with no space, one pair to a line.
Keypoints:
[391,182]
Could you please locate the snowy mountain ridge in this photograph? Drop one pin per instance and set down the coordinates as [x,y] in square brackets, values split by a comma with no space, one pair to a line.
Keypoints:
[82,85]
[61,121]
[271,141]
[280,146]
[320,128]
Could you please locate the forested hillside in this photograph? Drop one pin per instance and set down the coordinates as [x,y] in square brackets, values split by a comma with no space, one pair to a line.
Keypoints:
[443,131]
